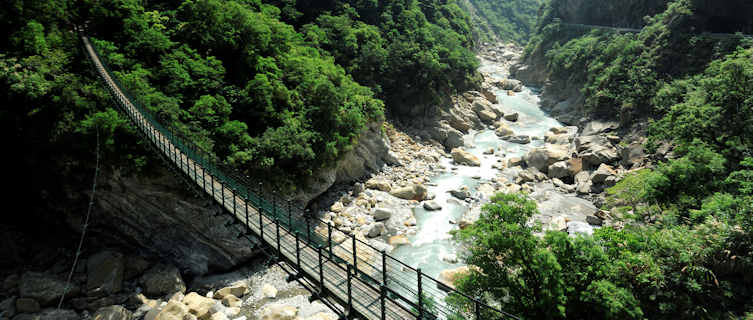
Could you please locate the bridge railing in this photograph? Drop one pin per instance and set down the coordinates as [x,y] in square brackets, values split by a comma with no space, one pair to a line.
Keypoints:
[410,288]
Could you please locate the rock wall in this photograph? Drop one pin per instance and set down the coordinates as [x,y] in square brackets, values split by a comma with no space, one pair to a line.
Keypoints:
[369,155]
[155,214]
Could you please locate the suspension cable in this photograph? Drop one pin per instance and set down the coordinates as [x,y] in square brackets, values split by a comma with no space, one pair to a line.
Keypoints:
[84,227]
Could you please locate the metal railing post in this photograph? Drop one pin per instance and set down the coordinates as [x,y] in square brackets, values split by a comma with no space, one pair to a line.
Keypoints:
[321,271]
[290,216]
[258,197]
[245,204]
[355,257]
[211,179]
[477,310]
[384,268]
[297,252]
[382,297]
[277,227]
[308,226]
[420,296]
[329,238]
[222,193]
[350,296]
[274,203]
[261,223]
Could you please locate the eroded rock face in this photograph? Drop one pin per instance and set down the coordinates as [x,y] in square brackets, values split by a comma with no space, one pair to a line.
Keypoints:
[369,155]
[113,313]
[157,214]
[44,288]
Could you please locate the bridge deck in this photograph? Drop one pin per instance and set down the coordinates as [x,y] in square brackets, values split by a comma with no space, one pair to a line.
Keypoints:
[366,298]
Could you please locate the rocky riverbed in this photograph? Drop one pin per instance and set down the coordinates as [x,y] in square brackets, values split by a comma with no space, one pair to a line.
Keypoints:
[488,141]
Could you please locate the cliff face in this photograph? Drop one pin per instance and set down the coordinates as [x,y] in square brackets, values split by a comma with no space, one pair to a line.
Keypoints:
[369,155]
[155,214]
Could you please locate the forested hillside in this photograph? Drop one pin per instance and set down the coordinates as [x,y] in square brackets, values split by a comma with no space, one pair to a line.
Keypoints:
[277,89]
[686,248]
[509,21]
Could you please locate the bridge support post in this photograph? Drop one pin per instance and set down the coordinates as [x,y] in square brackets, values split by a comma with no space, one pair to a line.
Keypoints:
[420,296]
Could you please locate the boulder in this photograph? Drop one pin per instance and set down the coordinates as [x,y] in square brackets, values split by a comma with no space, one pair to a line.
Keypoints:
[278,312]
[112,313]
[198,306]
[453,139]
[602,173]
[44,288]
[231,301]
[268,291]
[559,170]
[432,205]
[162,279]
[412,192]
[597,127]
[565,187]
[594,220]
[450,258]
[512,117]
[171,311]
[238,290]
[585,143]
[105,271]
[525,176]
[457,122]
[487,116]
[558,223]
[583,182]
[542,158]
[489,95]
[633,154]
[379,184]
[461,193]
[27,305]
[510,84]
[398,240]
[337,207]
[514,162]
[600,155]
[557,138]
[374,230]
[519,139]
[462,157]
[381,214]
[503,130]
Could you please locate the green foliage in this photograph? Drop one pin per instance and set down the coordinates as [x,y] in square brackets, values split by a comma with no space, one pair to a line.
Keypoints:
[552,277]
[510,20]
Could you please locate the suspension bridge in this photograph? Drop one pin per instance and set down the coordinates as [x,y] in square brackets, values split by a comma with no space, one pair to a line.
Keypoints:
[343,271]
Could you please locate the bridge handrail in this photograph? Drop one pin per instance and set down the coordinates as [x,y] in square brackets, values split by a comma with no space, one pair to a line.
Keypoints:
[285,212]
